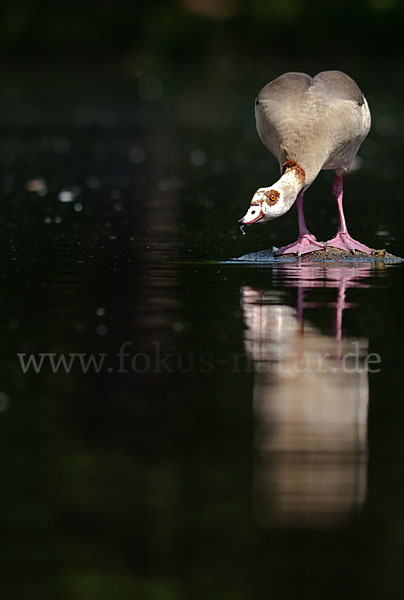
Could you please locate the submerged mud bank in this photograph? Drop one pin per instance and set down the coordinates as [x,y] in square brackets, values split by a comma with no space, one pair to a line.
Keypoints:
[326,254]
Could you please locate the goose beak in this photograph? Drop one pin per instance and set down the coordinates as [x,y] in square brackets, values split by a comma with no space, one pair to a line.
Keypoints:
[251,217]
[248,219]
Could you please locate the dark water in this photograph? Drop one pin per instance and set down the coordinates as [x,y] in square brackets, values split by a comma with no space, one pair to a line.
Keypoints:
[243,436]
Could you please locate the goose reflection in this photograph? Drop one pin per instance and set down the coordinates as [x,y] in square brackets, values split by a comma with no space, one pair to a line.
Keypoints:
[310,401]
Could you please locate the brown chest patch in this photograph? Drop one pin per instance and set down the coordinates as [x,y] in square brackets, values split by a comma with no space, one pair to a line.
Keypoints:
[272,197]
[298,170]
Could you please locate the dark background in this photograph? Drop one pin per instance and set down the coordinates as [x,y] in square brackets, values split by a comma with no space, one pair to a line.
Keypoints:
[191,28]
[140,485]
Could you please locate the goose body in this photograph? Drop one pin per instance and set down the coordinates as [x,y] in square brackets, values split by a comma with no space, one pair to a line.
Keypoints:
[308,124]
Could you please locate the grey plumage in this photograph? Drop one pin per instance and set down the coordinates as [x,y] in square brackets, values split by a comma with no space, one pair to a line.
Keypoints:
[318,122]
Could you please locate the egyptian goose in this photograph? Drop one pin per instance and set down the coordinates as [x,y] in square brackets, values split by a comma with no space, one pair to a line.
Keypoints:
[308,124]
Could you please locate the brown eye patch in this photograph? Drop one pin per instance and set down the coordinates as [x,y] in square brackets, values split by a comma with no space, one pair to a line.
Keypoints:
[272,197]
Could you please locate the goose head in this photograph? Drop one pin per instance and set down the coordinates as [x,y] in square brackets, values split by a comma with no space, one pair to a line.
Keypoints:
[271,202]
[266,204]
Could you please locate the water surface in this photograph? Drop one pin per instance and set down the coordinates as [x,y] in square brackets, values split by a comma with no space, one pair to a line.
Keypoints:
[243,436]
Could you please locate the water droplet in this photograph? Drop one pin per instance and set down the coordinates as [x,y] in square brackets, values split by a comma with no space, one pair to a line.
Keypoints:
[197,157]
[66,196]
[101,330]
[100,312]
[36,185]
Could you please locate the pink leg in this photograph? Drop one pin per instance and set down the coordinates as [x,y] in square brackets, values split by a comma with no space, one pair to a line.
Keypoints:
[306,242]
[343,240]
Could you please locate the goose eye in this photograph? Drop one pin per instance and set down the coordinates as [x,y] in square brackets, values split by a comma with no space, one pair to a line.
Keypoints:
[273,197]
